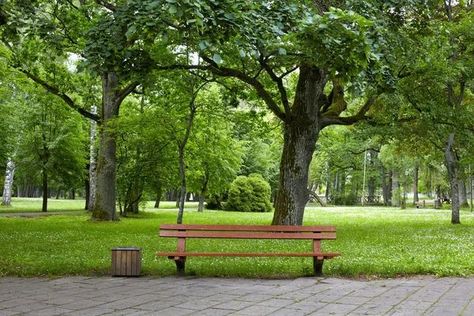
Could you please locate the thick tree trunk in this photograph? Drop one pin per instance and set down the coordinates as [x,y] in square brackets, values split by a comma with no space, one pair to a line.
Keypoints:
[301,130]
[292,195]
[8,183]
[452,165]
[415,185]
[105,197]
[91,194]
[44,175]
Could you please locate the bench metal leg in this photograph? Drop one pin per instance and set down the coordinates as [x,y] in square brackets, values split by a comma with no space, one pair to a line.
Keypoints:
[180,264]
[318,266]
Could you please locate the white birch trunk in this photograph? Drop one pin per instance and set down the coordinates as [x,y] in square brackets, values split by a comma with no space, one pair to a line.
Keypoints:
[93,161]
[8,185]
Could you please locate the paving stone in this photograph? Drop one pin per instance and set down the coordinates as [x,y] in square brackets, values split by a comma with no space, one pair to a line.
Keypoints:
[174,311]
[354,300]
[234,305]
[214,296]
[469,309]
[335,309]
[213,312]
[288,312]
[255,297]
[277,302]
[50,311]
[257,310]
[93,311]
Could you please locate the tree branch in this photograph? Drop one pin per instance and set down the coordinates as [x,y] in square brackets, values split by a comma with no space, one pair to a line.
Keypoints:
[107,5]
[122,94]
[349,120]
[229,72]
[54,90]
[279,83]
[257,85]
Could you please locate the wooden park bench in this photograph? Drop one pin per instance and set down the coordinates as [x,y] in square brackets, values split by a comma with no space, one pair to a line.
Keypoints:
[184,232]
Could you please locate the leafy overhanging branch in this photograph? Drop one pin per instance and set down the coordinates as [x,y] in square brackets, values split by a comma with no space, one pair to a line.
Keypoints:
[234,73]
[67,99]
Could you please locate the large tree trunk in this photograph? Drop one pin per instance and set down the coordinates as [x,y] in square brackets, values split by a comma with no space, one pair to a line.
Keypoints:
[8,183]
[452,165]
[44,175]
[301,130]
[104,206]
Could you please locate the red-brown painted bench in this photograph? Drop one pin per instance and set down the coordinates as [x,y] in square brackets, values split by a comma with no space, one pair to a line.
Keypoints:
[184,232]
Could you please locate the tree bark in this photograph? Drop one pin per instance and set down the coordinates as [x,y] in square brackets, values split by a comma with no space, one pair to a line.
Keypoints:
[44,175]
[159,193]
[91,194]
[301,130]
[396,194]
[203,192]
[182,164]
[105,197]
[463,194]
[8,183]
[415,185]
[387,187]
[452,165]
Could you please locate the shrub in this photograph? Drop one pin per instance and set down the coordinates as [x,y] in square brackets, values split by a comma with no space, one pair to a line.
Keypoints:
[249,194]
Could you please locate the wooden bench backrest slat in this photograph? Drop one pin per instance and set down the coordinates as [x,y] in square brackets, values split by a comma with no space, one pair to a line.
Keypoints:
[245,235]
[258,228]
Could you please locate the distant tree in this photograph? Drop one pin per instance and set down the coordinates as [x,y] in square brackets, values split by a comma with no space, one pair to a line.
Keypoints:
[51,144]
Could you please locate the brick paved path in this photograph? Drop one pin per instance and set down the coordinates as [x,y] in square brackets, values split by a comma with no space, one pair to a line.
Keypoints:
[212,296]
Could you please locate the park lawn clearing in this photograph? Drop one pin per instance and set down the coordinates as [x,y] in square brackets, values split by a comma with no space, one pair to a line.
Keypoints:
[374,242]
[33,205]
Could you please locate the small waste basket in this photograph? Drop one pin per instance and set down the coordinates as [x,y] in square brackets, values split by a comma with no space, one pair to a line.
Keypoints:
[126,261]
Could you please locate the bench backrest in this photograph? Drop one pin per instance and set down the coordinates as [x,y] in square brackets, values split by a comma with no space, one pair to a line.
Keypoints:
[248,231]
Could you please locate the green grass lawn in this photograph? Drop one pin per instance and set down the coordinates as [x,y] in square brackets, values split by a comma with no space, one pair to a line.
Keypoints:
[31,205]
[374,242]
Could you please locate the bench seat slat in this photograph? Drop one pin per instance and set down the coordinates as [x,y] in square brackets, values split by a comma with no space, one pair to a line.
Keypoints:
[263,228]
[245,235]
[326,255]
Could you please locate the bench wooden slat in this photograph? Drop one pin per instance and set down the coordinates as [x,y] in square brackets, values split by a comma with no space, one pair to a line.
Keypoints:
[248,254]
[245,235]
[263,228]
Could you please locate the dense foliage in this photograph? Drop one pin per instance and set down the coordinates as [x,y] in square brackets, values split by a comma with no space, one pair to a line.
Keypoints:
[249,194]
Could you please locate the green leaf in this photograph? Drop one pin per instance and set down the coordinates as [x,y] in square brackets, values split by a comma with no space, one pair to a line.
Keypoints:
[217,59]
[172,9]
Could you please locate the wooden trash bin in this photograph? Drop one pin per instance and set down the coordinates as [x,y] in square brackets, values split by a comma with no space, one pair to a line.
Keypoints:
[126,261]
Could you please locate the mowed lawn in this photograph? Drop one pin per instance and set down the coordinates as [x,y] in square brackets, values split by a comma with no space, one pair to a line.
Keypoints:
[374,242]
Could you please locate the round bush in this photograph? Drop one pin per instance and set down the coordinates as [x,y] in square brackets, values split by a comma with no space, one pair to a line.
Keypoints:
[249,194]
